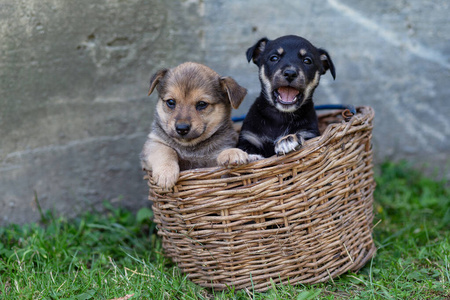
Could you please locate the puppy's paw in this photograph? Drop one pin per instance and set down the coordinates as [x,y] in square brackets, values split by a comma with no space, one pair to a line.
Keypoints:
[166,176]
[232,157]
[254,157]
[145,165]
[288,144]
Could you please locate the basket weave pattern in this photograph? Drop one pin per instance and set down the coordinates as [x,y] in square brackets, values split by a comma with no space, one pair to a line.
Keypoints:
[304,218]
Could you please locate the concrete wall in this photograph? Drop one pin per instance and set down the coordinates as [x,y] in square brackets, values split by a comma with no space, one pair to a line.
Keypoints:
[74,77]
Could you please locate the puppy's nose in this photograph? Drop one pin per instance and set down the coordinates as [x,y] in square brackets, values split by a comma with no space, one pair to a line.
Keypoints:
[290,75]
[182,128]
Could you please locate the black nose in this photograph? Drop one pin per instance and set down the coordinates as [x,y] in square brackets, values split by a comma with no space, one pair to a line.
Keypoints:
[290,75]
[182,128]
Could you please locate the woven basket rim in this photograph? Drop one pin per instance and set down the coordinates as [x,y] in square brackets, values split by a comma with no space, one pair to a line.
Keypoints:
[364,114]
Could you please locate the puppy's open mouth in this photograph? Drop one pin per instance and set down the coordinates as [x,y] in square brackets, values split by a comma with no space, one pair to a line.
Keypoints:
[287,95]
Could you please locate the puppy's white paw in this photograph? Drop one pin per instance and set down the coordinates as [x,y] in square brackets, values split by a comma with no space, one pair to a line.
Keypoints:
[166,176]
[145,165]
[288,144]
[233,157]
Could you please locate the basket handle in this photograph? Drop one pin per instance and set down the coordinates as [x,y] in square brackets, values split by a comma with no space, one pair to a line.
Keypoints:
[347,114]
[349,111]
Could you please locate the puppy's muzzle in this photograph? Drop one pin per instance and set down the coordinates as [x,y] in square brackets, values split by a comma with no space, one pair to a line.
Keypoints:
[182,128]
[290,75]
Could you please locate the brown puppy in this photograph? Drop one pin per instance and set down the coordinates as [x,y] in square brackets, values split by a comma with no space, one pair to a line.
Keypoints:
[192,122]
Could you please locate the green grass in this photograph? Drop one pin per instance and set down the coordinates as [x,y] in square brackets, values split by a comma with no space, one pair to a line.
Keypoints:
[117,254]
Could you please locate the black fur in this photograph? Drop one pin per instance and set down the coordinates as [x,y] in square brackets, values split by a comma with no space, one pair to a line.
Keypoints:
[289,71]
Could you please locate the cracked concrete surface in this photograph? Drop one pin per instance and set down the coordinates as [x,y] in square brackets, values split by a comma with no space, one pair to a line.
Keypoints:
[73,82]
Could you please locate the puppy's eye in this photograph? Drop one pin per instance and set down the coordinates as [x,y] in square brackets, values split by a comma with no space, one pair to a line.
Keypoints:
[307,61]
[171,103]
[274,58]
[201,105]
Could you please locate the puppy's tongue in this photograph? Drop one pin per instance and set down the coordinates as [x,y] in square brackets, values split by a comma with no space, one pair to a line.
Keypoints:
[287,95]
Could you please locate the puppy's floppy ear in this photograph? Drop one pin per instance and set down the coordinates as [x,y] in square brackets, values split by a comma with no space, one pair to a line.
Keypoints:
[155,79]
[254,52]
[327,63]
[235,92]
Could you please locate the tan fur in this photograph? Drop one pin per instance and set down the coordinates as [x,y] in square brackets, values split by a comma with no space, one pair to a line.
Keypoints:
[236,156]
[166,152]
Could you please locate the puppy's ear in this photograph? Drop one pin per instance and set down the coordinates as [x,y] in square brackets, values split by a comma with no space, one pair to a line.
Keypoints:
[254,52]
[327,63]
[235,92]
[155,79]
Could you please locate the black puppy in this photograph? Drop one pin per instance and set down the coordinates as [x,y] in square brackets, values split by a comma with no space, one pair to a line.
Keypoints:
[283,116]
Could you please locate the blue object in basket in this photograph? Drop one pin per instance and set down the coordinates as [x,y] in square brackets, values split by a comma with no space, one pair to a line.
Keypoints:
[351,108]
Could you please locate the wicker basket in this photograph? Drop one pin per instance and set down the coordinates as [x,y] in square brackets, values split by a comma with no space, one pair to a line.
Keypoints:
[301,218]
